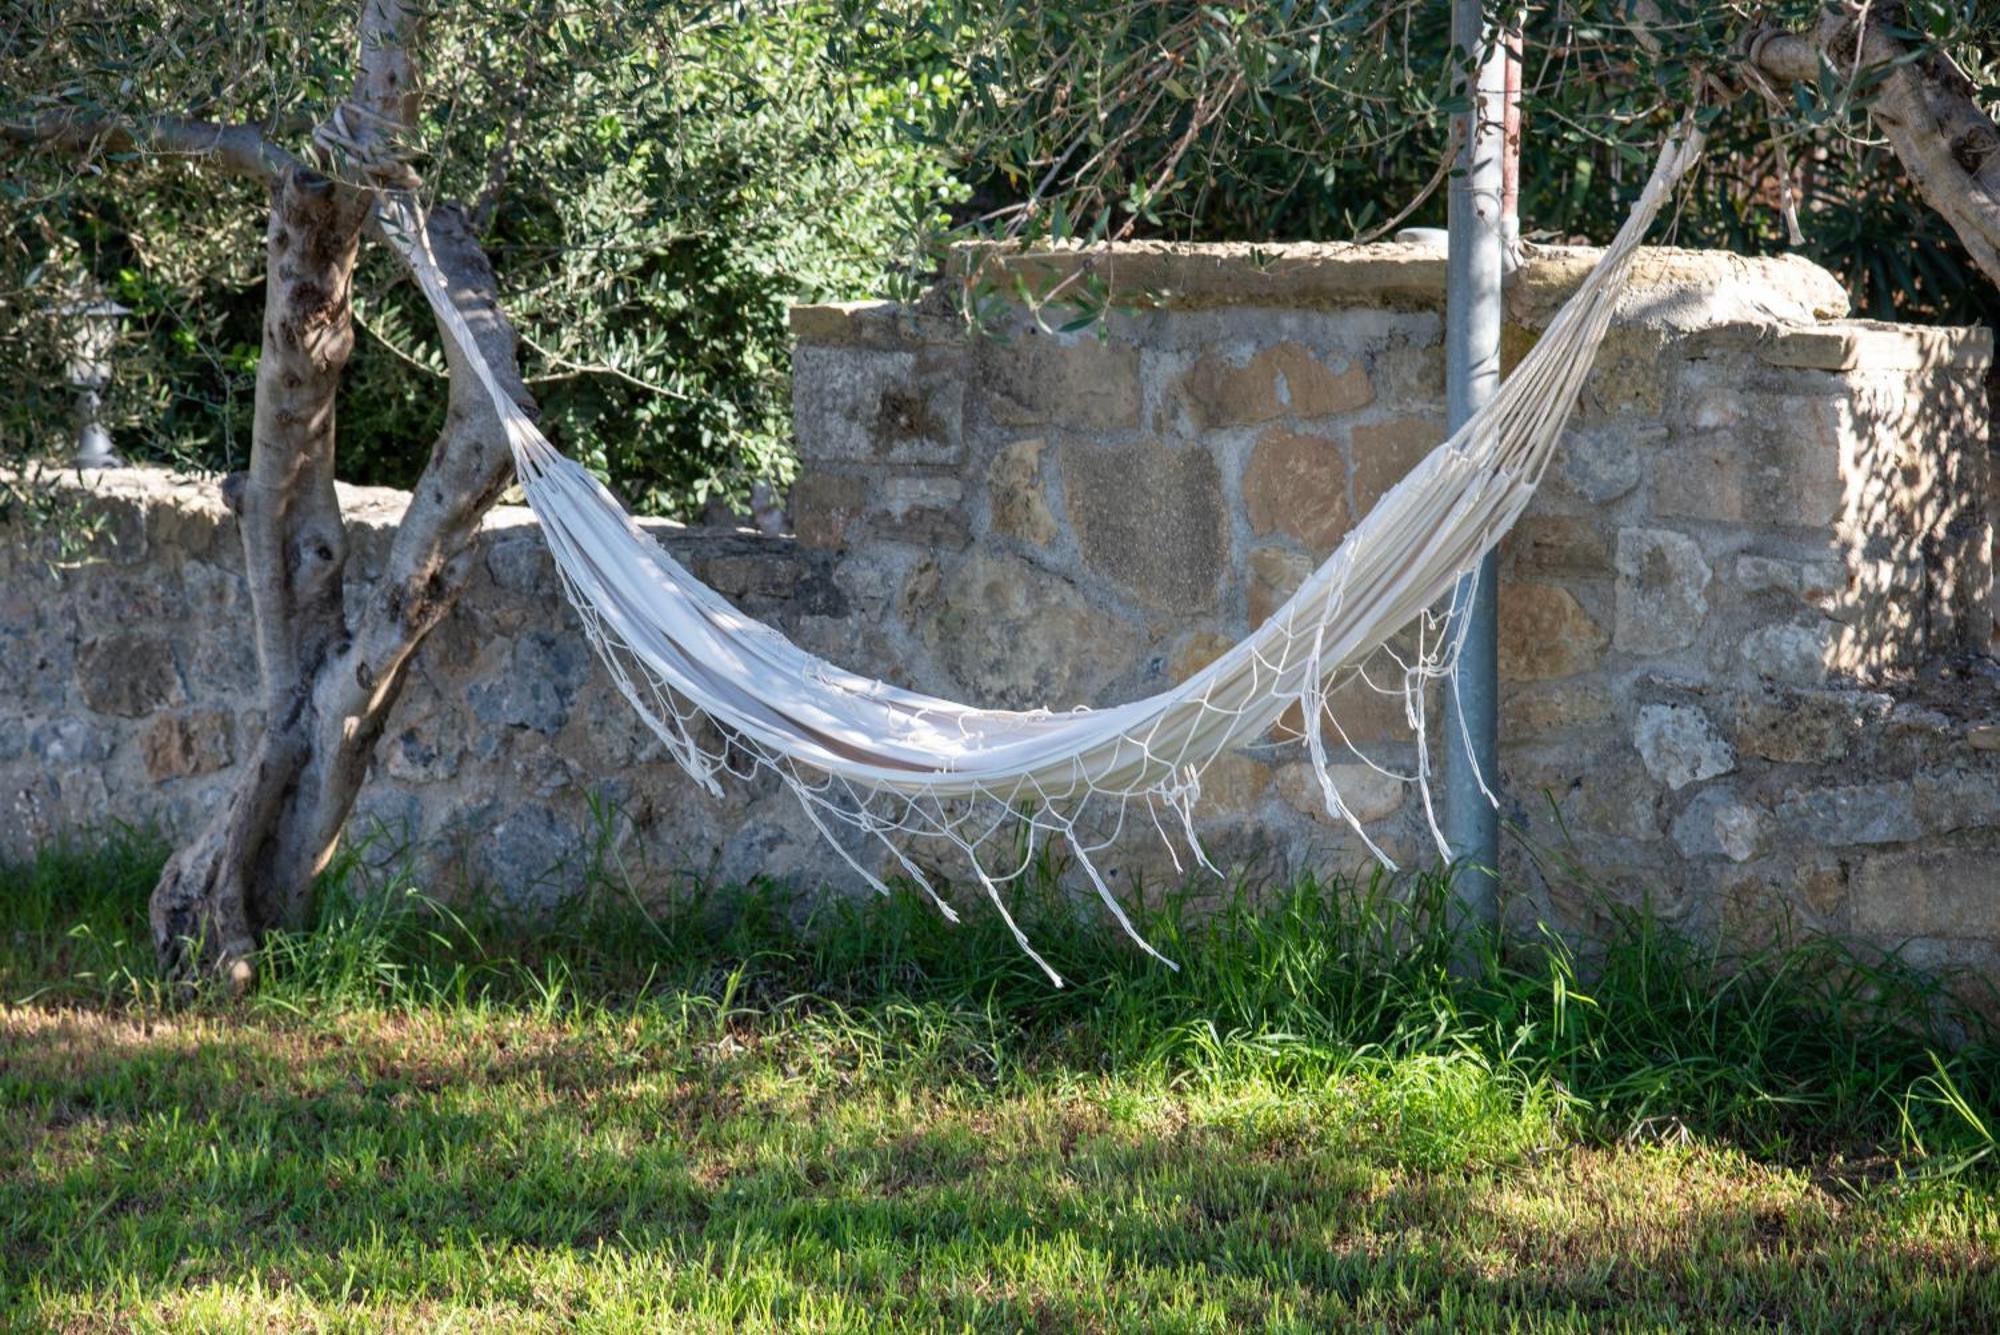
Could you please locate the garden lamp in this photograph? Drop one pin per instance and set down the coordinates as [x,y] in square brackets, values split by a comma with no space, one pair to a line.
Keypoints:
[94,326]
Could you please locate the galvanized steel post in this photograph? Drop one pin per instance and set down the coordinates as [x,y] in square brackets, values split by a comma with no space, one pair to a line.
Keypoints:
[1472,375]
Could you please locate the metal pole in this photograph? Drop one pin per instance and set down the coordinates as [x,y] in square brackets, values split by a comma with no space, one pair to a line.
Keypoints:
[1471,376]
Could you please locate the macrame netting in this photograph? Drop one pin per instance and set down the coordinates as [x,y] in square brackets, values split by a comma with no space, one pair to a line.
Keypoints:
[895,763]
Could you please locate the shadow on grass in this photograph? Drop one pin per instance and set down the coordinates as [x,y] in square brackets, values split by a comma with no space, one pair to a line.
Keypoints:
[429,1161]
[737,1115]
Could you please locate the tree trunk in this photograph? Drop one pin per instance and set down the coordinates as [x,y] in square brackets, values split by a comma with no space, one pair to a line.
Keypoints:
[330,673]
[222,891]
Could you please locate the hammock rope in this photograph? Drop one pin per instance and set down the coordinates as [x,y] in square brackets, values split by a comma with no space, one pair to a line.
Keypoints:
[729,696]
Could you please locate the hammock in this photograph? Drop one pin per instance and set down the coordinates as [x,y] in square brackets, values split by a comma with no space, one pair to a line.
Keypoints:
[891,762]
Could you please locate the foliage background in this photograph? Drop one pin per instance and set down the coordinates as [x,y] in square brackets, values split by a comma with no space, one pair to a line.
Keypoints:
[1298,121]
[658,182]
[675,176]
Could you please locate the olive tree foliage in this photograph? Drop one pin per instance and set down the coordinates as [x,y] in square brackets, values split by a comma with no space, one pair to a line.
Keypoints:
[1330,121]
[653,183]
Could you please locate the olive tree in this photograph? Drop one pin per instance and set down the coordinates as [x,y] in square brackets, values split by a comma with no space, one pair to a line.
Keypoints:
[330,672]
[195,127]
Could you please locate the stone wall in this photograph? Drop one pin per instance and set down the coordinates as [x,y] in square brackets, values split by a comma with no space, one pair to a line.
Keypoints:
[510,761]
[1744,623]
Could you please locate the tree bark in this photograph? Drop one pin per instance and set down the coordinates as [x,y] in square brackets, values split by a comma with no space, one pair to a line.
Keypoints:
[222,891]
[1925,107]
[330,673]
[242,149]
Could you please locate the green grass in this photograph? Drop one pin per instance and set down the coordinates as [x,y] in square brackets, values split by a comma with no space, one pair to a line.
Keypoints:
[728,1115]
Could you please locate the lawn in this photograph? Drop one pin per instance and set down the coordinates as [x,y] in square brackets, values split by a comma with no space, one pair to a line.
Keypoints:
[727,1114]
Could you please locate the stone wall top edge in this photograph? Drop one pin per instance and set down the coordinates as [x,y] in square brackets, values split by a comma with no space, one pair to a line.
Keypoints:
[1878,345]
[362,508]
[1673,289]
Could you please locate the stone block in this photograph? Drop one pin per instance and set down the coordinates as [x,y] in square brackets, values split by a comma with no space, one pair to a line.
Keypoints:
[826,506]
[1196,652]
[1275,575]
[118,535]
[1297,485]
[1385,451]
[1817,582]
[539,684]
[412,756]
[1955,798]
[885,325]
[1234,783]
[62,743]
[193,524]
[1079,381]
[1936,892]
[1557,545]
[527,853]
[1284,380]
[1366,791]
[1628,380]
[1149,518]
[1661,593]
[1379,713]
[1679,745]
[1820,886]
[1545,633]
[1599,465]
[1014,493]
[758,576]
[1685,291]
[1750,910]
[209,590]
[1018,637]
[128,673]
[1788,475]
[38,666]
[1366,716]
[1876,346]
[1788,653]
[518,561]
[1718,823]
[1531,712]
[861,406]
[177,746]
[107,599]
[1410,370]
[1800,727]
[925,508]
[1862,813]
[1598,793]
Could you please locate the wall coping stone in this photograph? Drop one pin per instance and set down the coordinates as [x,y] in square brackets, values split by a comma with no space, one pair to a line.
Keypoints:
[368,509]
[1876,345]
[1671,287]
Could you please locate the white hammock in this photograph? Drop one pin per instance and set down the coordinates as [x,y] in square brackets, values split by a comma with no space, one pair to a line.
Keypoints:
[890,761]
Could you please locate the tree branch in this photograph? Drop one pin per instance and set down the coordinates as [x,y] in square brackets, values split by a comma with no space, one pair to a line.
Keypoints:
[386,85]
[1924,106]
[241,149]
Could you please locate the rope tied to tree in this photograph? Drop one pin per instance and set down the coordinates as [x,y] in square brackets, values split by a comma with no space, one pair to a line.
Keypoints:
[365,148]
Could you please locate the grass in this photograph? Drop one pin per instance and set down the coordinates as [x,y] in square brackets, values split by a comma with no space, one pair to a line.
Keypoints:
[726,1116]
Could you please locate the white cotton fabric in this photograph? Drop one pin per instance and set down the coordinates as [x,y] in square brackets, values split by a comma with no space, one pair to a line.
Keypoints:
[865,754]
